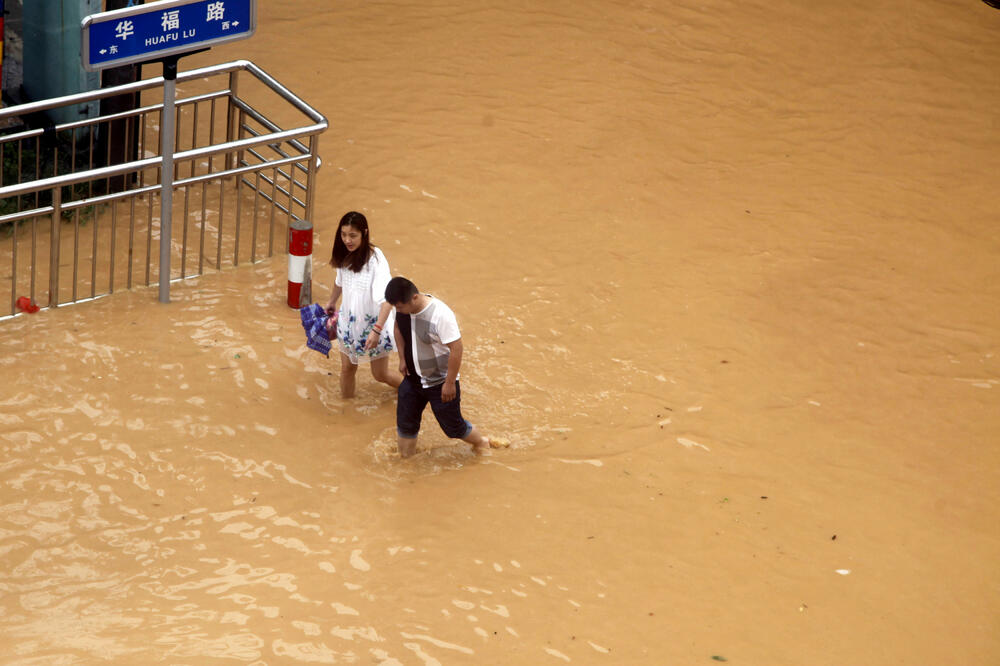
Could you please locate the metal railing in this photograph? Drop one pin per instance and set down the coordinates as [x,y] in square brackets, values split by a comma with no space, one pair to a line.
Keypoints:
[241,176]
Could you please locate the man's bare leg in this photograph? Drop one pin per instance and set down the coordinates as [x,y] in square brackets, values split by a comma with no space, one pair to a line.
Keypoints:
[479,443]
[407,446]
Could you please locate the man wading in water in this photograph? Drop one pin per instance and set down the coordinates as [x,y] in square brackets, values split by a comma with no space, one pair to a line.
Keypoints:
[430,354]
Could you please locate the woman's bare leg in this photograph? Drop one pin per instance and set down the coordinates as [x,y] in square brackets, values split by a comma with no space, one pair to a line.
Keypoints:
[348,372]
[383,373]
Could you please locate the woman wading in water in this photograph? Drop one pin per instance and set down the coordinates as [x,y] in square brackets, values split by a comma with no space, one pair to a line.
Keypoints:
[364,320]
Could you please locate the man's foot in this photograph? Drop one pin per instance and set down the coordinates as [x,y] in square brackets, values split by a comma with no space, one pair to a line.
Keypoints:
[490,443]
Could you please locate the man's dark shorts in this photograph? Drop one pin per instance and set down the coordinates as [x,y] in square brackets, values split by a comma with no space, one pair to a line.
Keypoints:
[412,398]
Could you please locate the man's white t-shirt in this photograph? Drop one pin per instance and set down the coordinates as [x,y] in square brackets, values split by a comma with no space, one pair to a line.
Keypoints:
[432,329]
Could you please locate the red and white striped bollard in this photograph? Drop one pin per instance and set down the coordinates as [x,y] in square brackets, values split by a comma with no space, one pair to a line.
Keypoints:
[300,247]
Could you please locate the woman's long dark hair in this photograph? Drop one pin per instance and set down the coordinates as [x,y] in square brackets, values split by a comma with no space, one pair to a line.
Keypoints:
[355,261]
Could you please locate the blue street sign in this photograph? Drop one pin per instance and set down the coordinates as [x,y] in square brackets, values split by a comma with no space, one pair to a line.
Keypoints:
[147,32]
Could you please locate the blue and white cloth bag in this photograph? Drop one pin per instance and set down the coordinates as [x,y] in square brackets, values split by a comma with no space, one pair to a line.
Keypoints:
[314,319]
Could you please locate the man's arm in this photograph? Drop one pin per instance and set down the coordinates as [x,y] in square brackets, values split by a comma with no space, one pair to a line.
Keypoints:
[399,347]
[454,363]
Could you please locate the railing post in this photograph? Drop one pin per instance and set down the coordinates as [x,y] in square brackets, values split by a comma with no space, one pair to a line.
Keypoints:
[311,176]
[231,113]
[54,246]
[167,172]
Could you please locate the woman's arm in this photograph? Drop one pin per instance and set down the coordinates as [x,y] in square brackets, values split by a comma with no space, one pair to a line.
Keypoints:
[334,297]
[331,309]
[373,337]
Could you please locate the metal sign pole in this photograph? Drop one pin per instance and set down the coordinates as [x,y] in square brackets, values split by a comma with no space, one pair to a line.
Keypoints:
[167,172]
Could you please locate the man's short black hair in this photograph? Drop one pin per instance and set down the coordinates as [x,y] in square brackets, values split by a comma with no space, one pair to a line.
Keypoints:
[400,290]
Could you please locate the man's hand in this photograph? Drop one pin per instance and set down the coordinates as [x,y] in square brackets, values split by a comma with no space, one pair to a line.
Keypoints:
[448,391]
[403,370]
[372,341]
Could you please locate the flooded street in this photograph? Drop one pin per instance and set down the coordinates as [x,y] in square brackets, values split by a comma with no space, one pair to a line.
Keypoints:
[728,277]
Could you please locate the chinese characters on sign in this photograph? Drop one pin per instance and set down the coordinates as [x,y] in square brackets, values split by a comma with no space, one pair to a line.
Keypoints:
[146,32]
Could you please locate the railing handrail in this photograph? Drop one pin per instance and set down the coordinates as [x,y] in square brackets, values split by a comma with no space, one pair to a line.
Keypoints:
[147,84]
[152,162]
[121,115]
[180,183]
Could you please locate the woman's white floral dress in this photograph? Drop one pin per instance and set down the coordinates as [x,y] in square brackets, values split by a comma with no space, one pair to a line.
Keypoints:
[363,295]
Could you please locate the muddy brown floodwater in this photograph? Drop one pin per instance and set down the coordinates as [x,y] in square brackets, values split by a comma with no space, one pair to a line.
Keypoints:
[728,275]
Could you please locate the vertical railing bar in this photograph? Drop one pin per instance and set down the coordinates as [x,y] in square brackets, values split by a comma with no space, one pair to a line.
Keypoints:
[211,136]
[107,160]
[93,256]
[114,233]
[291,201]
[142,148]
[131,137]
[177,139]
[231,112]
[13,269]
[184,231]
[187,190]
[194,136]
[222,213]
[72,153]
[311,177]
[239,184]
[38,164]
[211,168]
[34,255]
[201,235]
[55,235]
[20,155]
[159,179]
[239,206]
[149,233]
[90,159]
[131,240]
[20,169]
[274,206]
[54,246]
[76,251]
[253,234]
[20,166]
[128,182]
